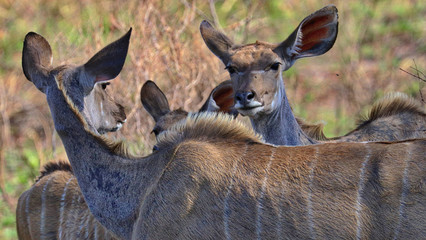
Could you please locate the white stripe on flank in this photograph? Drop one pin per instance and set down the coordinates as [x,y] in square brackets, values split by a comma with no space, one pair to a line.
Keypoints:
[62,208]
[280,235]
[82,223]
[43,208]
[405,188]
[361,185]
[95,229]
[226,210]
[311,223]
[262,193]
[86,234]
[27,210]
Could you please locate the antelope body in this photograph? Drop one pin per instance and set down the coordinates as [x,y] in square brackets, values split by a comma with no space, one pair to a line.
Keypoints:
[54,208]
[255,71]
[213,178]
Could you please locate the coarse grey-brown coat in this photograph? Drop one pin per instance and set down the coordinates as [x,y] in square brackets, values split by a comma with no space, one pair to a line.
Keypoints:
[213,178]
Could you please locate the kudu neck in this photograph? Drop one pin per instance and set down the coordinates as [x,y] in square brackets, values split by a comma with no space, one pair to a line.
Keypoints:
[112,185]
[280,127]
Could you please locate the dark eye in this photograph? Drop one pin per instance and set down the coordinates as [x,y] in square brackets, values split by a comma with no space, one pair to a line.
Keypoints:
[231,69]
[275,66]
[104,85]
[156,131]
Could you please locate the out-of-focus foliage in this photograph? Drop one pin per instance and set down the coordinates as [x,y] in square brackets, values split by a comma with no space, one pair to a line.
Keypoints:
[375,39]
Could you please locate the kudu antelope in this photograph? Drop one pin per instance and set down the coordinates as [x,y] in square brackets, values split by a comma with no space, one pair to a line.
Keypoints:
[55,205]
[221,99]
[213,178]
[255,71]
[54,208]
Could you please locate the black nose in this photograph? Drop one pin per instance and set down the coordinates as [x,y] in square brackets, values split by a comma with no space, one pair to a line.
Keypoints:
[244,98]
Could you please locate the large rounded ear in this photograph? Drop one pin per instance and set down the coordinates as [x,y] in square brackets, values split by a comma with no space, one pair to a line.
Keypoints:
[216,41]
[221,99]
[36,60]
[154,100]
[314,36]
[108,62]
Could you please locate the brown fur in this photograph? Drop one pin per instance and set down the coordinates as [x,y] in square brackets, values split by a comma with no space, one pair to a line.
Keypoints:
[189,199]
[315,131]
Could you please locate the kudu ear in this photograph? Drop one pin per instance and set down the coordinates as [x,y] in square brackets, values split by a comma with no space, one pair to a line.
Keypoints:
[36,60]
[221,99]
[108,62]
[216,41]
[314,36]
[154,100]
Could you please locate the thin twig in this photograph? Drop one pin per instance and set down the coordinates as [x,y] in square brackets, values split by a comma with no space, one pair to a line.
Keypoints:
[417,76]
[214,14]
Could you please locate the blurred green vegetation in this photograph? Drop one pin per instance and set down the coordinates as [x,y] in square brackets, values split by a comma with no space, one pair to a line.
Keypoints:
[375,39]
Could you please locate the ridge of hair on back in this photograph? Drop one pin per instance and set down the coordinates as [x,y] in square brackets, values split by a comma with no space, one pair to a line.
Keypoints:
[51,167]
[392,104]
[208,126]
[315,131]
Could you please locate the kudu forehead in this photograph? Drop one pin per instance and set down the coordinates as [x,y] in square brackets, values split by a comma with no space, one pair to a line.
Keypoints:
[252,57]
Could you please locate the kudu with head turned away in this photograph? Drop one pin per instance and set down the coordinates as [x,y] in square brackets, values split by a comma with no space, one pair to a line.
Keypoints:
[213,178]
[54,206]
[256,75]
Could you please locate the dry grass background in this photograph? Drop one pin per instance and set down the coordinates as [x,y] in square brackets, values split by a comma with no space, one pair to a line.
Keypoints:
[375,39]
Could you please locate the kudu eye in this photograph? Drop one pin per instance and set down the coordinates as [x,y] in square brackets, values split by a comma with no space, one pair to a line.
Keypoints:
[231,69]
[104,85]
[275,66]
[156,131]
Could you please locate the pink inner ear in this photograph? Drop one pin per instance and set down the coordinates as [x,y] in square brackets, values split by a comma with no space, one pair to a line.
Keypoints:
[314,31]
[224,98]
[101,78]
[316,22]
[313,38]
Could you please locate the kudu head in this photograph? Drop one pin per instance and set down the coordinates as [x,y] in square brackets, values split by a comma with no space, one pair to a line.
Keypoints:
[157,105]
[85,84]
[256,68]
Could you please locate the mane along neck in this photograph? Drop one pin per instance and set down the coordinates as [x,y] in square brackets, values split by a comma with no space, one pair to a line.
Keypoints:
[208,126]
[112,181]
[392,104]
[51,167]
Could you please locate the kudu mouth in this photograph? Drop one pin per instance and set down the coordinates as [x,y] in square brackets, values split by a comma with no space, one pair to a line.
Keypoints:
[249,109]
